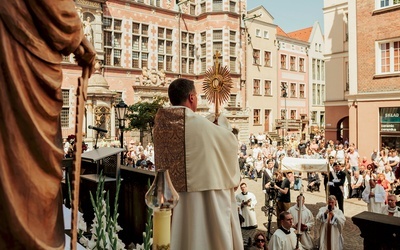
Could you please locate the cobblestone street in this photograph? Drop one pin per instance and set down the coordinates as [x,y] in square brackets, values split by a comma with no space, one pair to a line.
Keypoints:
[313,201]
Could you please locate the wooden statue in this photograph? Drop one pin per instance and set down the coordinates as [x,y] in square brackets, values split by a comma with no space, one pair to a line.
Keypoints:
[34,36]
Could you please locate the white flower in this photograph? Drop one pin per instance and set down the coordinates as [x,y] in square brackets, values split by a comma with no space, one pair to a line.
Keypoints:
[81,222]
[84,241]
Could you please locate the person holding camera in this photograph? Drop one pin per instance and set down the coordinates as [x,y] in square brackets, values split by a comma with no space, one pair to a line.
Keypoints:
[282,186]
[332,222]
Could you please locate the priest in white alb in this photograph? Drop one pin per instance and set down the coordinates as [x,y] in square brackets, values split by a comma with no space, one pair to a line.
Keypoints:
[332,222]
[307,222]
[246,202]
[374,195]
[202,161]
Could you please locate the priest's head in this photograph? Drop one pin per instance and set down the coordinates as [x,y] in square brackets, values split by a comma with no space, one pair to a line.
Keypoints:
[182,92]
[300,200]
[331,201]
[286,220]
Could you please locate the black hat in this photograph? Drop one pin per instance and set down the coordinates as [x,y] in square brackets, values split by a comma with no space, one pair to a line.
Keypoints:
[331,157]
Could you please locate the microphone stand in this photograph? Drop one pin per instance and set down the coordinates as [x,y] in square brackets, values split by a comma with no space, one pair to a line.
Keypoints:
[97,137]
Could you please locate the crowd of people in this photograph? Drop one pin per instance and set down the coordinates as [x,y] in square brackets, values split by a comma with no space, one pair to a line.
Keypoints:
[351,176]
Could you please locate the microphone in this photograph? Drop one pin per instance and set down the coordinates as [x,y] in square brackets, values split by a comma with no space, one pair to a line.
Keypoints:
[98,129]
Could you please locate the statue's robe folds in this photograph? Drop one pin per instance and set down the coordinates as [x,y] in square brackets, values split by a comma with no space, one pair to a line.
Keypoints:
[202,160]
[33,36]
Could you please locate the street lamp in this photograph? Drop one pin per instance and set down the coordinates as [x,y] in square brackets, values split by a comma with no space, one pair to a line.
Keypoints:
[121,109]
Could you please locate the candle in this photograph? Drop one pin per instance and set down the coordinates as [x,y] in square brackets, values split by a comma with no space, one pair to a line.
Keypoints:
[161,229]
[300,204]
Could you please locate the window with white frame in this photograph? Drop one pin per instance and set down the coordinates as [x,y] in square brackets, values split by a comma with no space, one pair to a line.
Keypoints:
[267,87]
[313,68]
[301,64]
[314,94]
[256,56]
[232,50]
[192,8]
[302,90]
[203,7]
[388,57]
[112,41]
[293,63]
[155,3]
[232,6]
[164,49]
[267,58]
[386,3]
[256,117]
[140,45]
[283,62]
[65,108]
[203,53]
[323,70]
[187,52]
[256,87]
[217,5]
[293,114]
[258,33]
[232,100]
[266,34]
[293,90]
[318,69]
[217,43]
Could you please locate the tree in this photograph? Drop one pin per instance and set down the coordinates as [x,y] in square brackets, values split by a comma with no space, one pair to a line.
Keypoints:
[141,115]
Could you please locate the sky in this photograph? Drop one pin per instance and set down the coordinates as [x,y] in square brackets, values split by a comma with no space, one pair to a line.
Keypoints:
[292,15]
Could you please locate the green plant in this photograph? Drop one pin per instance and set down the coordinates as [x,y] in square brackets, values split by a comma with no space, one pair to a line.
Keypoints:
[105,227]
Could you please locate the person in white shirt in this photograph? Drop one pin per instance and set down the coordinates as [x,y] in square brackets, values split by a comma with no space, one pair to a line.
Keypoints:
[357,182]
[389,175]
[353,158]
[340,155]
[374,195]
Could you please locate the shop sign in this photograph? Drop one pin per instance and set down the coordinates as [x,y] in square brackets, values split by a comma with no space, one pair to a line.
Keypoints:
[390,119]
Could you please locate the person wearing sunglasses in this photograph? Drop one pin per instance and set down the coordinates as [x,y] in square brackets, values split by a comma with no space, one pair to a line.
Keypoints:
[259,242]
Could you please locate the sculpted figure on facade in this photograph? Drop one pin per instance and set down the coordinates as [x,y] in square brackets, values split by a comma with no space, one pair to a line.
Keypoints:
[87,29]
[162,76]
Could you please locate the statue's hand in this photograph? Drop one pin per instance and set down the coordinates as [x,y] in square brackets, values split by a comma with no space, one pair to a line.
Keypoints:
[85,55]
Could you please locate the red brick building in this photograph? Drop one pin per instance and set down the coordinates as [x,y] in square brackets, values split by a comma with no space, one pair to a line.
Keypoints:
[143,45]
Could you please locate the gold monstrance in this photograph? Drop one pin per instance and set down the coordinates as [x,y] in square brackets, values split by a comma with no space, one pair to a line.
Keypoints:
[217,85]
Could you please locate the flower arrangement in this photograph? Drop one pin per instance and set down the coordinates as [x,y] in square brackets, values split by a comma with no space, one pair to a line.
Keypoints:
[105,227]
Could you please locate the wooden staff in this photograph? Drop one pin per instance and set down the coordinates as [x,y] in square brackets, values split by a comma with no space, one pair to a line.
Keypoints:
[81,97]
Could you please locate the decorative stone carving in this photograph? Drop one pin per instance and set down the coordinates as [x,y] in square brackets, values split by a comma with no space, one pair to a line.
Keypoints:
[153,77]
